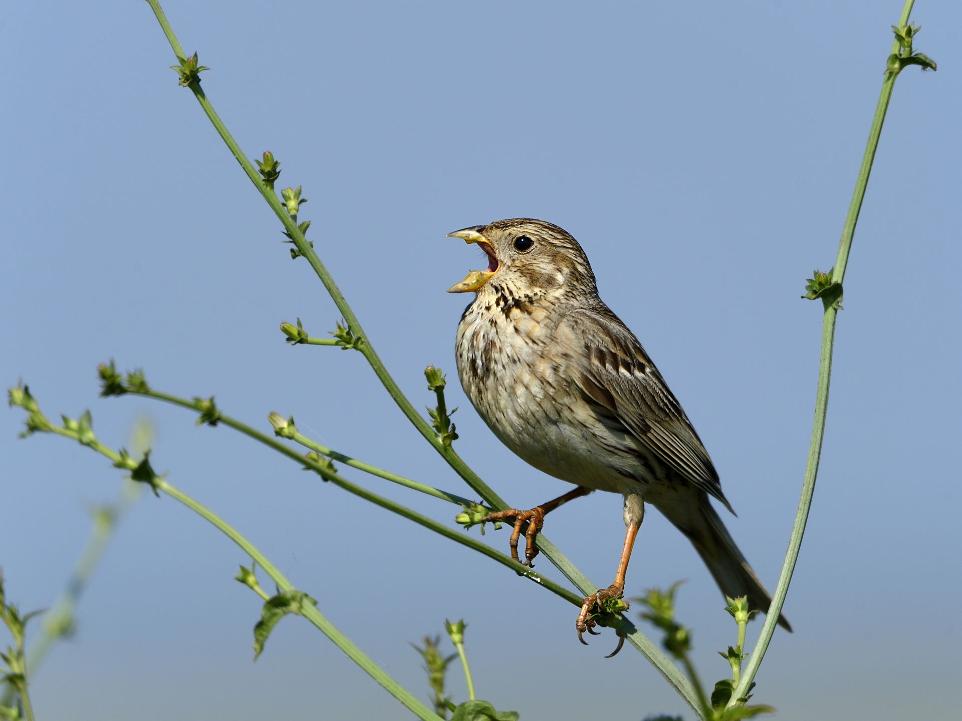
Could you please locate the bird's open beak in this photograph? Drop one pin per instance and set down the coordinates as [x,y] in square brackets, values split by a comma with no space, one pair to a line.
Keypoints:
[475,279]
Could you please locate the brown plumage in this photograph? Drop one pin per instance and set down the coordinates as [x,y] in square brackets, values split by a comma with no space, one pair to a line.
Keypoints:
[566,385]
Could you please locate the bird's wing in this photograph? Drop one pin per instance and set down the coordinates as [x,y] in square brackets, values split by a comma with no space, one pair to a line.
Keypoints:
[619,378]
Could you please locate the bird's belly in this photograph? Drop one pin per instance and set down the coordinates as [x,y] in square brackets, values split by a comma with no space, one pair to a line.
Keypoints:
[534,409]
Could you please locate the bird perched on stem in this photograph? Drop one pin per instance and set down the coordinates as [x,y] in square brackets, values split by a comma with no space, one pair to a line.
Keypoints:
[565,385]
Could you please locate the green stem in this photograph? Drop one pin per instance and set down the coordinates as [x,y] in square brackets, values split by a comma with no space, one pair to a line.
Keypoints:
[737,666]
[26,703]
[468,680]
[310,612]
[313,445]
[822,385]
[319,341]
[550,551]
[378,500]
[307,251]
[703,703]
[58,620]
[865,169]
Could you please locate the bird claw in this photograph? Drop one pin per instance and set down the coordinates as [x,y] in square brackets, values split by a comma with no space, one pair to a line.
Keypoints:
[534,518]
[595,605]
[621,643]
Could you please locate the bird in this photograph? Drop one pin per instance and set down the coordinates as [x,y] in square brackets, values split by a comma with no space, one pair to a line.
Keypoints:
[565,385]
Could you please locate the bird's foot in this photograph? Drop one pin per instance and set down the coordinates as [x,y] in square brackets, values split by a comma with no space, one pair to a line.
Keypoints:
[605,602]
[533,518]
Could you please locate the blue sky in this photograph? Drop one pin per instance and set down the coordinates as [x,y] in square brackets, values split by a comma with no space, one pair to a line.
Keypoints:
[703,154]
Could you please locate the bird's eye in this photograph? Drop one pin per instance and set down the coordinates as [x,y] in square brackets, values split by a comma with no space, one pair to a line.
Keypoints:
[523,244]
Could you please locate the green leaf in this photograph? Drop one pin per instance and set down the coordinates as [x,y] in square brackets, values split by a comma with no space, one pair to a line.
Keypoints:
[302,226]
[283,427]
[739,610]
[17,680]
[248,577]
[20,397]
[293,200]
[821,285]
[473,514]
[144,473]
[294,334]
[188,70]
[735,713]
[435,378]
[920,59]
[35,423]
[85,431]
[274,609]
[269,168]
[9,713]
[137,382]
[346,337]
[436,665]
[455,630]
[320,464]
[722,693]
[125,462]
[478,710]
[446,431]
[732,654]
[111,380]
[209,412]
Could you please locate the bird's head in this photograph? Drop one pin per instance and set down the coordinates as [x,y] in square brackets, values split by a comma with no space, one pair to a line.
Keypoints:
[527,258]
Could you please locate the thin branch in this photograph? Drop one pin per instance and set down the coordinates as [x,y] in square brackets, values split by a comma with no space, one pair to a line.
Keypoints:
[831,295]
[366,348]
[327,472]
[83,434]
[285,428]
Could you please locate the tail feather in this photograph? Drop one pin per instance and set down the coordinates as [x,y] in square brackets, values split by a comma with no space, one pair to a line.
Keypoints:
[731,571]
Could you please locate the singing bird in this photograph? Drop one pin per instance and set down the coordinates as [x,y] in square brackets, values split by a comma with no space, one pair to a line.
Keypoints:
[566,385]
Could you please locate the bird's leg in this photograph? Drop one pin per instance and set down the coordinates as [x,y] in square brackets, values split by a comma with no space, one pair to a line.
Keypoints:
[534,517]
[595,603]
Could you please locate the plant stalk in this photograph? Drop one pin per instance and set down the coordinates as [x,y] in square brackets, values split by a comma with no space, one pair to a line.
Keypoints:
[310,612]
[26,703]
[468,679]
[737,667]
[822,384]
[336,479]
[550,551]
[313,445]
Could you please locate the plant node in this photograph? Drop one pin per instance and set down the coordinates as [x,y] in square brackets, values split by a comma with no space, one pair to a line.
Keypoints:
[188,70]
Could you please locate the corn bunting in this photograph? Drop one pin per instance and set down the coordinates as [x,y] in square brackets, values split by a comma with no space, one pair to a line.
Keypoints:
[565,385]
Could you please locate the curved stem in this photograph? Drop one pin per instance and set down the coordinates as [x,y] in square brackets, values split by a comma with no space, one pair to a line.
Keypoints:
[310,612]
[823,383]
[637,639]
[865,169]
[58,620]
[336,479]
[313,445]
[26,703]
[696,684]
[366,348]
[468,679]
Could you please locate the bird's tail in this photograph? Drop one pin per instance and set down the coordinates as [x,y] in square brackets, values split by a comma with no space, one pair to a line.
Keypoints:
[733,574]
